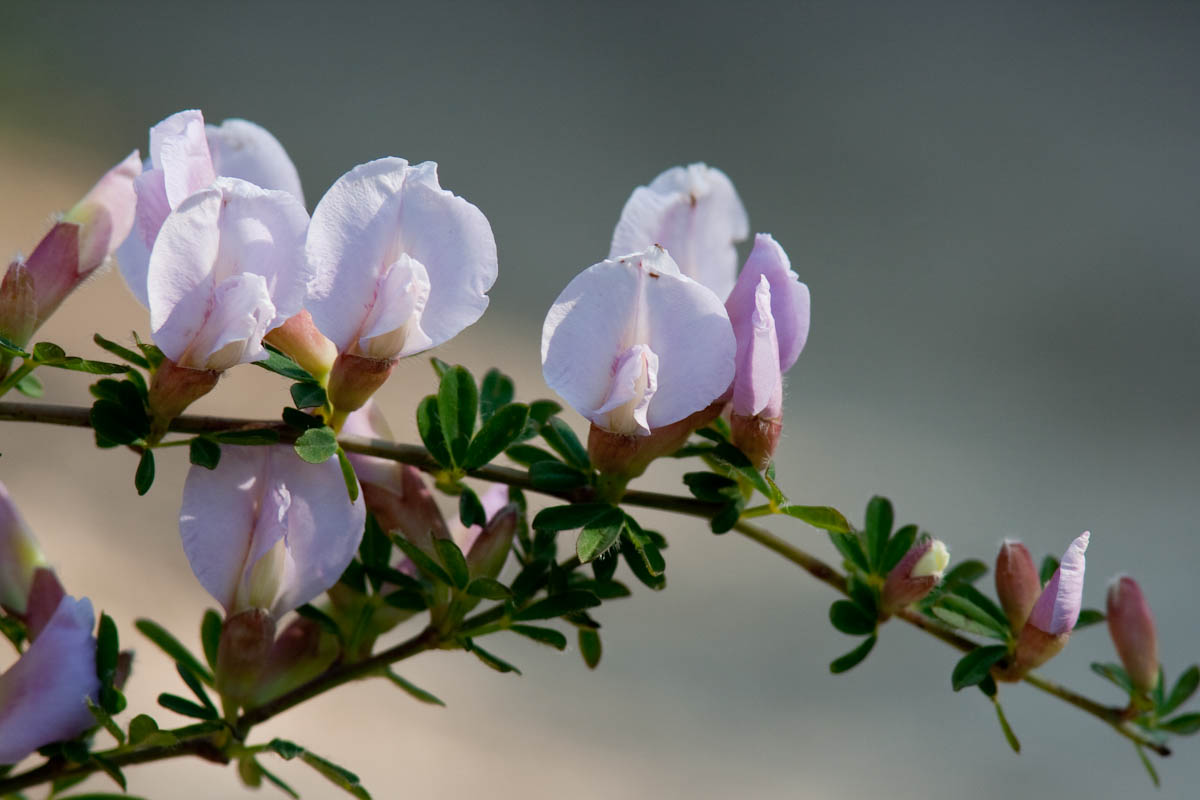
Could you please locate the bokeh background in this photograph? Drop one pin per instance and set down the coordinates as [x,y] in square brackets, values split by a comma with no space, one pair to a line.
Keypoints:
[996,209]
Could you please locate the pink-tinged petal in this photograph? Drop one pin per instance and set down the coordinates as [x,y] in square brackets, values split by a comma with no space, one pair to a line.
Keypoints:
[231,229]
[106,213]
[695,213]
[179,148]
[392,327]
[133,256]
[640,299]
[370,218]
[267,530]
[242,149]
[20,555]
[789,299]
[370,423]
[239,312]
[759,383]
[54,267]
[634,382]
[1057,608]
[43,696]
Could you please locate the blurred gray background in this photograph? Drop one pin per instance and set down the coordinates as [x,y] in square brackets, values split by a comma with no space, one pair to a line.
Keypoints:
[996,209]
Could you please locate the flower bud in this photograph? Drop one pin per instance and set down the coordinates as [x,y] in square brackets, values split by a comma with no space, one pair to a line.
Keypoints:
[301,652]
[299,338]
[1017,583]
[20,557]
[1054,614]
[1131,626]
[18,308]
[915,575]
[246,639]
[489,549]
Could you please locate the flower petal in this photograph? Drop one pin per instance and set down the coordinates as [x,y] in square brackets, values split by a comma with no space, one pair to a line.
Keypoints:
[20,555]
[106,213]
[1057,608]
[695,213]
[392,327]
[758,380]
[372,216]
[789,299]
[242,149]
[179,148]
[43,696]
[239,312]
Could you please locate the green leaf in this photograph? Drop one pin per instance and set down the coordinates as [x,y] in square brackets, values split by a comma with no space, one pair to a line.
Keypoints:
[107,650]
[851,549]
[1114,673]
[12,348]
[1150,770]
[854,657]
[644,545]
[278,783]
[563,441]
[338,776]
[527,455]
[599,534]
[470,509]
[558,605]
[972,668]
[153,355]
[823,517]
[1183,725]
[48,353]
[604,589]
[308,395]
[1009,735]
[981,601]
[193,683]
[488,589]
[637,563]
[248,438]
[171,646]
[413,690]
[546,636]
[458,402]
[317,445]
[966,616]
[736,464]
[210,636]
[897,547]
[569,517]
[181,705]
[376,548]
[711,487]
[877,529]
[496,390]
[1089,616]
[30,386]
[967,571]
[280,364]
[77,364]
[1049,565]
[429,426]
[105,719]
[862,594]
[348,476]
[110,769]
[422,560]
[301,420]
[542,410]
[140,727]
[590,647]
[555,476]
[492,660]
[204,452]
[143,477]
[454,561]
[118,423]
[724,520]
[326,622]
[121,352]
[406,600]
[848,618]
[500,429]
[1185,687]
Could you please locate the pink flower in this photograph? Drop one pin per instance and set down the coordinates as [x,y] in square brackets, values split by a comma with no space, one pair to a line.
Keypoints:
[266,530]
[187,156]
[43,696]
[696,215]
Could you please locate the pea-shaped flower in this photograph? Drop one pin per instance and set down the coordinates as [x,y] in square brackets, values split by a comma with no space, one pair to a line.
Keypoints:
[695,213]
[769,311]
[43,696]
[400,265]
[187,156]
[265,530]
[1054,614]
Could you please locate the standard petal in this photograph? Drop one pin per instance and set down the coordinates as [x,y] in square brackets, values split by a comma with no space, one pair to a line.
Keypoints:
[242,149]
[43,696]
[789,299]
[696,214]
[372,216]
[1057,608]
[179,148]
[217,519]
[758,379]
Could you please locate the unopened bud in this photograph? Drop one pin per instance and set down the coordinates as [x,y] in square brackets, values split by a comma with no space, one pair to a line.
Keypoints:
[18,308]
[1131,626]
[1054,614]
[172,389]
[307,346]
[489,551]
[915,575]
[353,380]
[302,651]
[20,557]
[1017,583]
[246,640]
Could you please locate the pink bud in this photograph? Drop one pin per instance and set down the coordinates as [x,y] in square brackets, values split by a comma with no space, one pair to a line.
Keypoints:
[915,575]
[487,548]
[1131,626]
[1017,583]
[1054,614]
[20,557]
[246,640]
[299,338]
[18,308]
